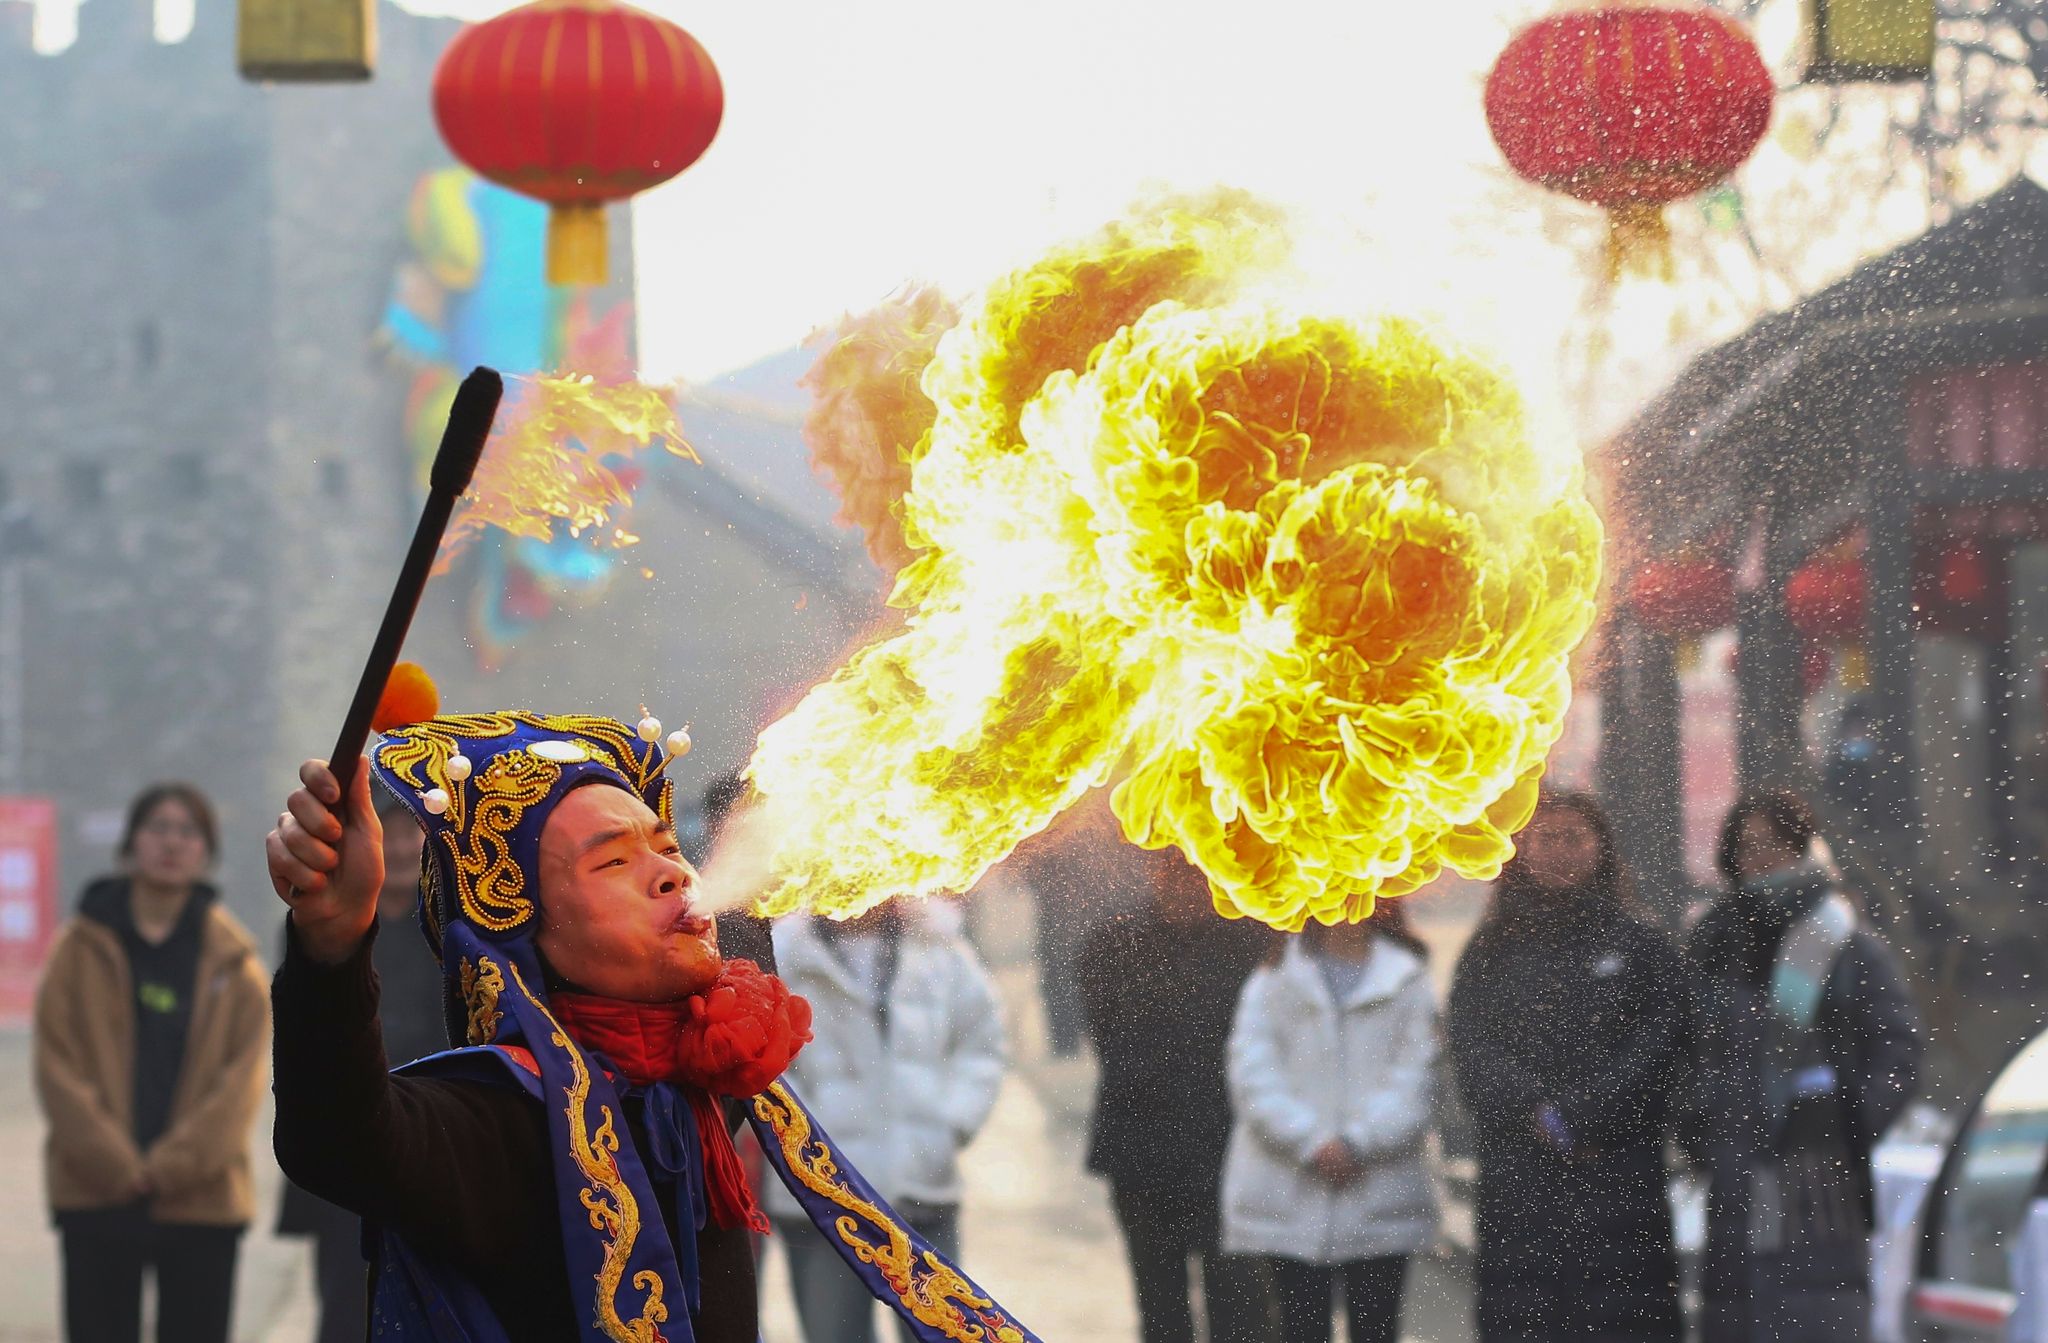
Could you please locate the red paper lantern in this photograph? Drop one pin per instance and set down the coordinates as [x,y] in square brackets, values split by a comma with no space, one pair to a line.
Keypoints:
[577,103]
[1683,598]
[1961,577]
[1828,598]
[1959,589]
[1629,108]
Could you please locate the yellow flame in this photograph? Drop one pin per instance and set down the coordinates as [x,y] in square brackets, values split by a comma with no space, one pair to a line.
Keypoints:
[1301,588]
[546,461]
[869,416]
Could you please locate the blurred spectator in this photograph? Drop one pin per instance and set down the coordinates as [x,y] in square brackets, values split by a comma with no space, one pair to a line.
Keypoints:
[902,1071]
[1159,985]
[1567,1040]
[1333,1069]
[1805,1049]
[1079,877]
[2030,814]
[1057,989]
[1062,880]
[2028,1259]
[152,1022]
[409,1008]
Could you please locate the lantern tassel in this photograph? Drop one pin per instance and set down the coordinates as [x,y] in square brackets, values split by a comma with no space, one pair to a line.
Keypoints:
[576,244]
[1855,668]
[1638,242]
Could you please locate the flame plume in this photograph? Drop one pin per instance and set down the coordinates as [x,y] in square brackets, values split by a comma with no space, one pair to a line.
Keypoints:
[1301,588]
[547,460]
[869,417]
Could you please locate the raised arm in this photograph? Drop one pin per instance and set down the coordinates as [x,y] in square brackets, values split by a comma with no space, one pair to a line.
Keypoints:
[327,862]
[459,1165]
[452,1163]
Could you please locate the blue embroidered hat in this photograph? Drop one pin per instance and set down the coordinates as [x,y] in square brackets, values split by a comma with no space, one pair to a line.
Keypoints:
[482,786]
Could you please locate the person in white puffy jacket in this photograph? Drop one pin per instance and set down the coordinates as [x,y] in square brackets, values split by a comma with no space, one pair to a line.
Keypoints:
[906,1057]
[1332,1071]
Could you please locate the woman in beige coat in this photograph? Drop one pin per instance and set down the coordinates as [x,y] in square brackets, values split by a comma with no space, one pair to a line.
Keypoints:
[151,1033]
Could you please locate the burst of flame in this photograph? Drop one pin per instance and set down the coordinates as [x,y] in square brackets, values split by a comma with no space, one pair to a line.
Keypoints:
[1301,588]
[550,457]
[869,416]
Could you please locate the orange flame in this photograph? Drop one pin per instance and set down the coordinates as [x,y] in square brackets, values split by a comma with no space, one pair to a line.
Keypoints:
[1302,589]
[869,417]
[547,461]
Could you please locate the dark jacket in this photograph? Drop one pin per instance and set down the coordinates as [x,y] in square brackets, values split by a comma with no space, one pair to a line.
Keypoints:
[410,1016]
[1812,1287]
[1580,1008]
[1157,999]
[462,1170]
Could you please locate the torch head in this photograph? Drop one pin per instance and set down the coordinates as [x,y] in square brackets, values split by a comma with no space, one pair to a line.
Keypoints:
[469,424]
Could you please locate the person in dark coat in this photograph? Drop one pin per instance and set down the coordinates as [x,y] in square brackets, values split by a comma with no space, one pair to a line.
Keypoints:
[1159,986]
[409,1010]
[1806,1047]
[1567,1037]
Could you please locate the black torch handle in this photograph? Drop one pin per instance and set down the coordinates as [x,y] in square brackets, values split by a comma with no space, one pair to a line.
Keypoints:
[462,443]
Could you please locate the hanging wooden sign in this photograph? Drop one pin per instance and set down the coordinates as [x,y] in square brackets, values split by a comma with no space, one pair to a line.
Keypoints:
[1869,41]
[307,41]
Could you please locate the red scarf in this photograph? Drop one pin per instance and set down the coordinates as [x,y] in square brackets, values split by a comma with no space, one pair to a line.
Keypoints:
[733,1039]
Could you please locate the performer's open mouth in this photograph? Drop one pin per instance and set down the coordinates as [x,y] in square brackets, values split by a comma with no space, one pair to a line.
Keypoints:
[690,923]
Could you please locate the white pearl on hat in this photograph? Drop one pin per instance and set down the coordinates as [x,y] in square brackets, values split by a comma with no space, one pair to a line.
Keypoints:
[679,741]
[435,800]
[649,729]
[457,768]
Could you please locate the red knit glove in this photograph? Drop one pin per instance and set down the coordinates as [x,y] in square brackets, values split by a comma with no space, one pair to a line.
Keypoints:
[742,1032]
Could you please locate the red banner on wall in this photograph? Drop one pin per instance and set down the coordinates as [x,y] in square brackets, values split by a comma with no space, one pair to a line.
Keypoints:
[28,899]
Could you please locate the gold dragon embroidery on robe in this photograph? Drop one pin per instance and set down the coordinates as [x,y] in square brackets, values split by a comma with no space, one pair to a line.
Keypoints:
[932,1291]
[614,1214]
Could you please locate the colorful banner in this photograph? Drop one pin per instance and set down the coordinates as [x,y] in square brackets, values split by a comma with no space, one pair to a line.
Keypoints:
[472,294]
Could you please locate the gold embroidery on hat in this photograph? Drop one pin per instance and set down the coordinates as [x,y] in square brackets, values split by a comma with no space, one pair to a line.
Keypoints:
[488,878]
[486,810]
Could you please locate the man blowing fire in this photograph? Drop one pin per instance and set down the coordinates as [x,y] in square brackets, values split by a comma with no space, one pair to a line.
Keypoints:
[571,1174]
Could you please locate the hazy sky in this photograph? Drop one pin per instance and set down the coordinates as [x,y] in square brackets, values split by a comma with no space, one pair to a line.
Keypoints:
[867,145]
